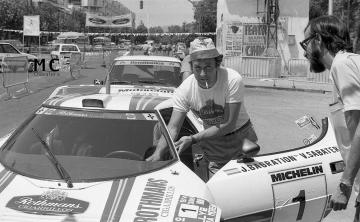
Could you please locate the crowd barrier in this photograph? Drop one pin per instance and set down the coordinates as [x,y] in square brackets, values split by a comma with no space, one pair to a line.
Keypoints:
[255,67]
[269,68]
[14,72]
[101,58]
[75,64]
[301,68]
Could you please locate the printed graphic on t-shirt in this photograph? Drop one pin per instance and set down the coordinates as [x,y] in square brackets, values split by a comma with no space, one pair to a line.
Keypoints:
[211,113]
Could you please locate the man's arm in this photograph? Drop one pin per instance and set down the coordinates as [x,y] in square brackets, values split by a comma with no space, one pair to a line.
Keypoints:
[353,163]
[228,126]
[341,197]
[175,123]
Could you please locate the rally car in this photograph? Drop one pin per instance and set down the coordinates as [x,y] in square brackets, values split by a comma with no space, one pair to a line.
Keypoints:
[81,157]
[145,70]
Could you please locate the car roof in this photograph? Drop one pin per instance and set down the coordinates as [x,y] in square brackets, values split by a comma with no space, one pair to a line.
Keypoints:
[64,44]
[126,98]
[147,58]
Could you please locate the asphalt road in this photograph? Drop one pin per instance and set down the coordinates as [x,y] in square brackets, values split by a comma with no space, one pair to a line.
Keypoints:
[273,113]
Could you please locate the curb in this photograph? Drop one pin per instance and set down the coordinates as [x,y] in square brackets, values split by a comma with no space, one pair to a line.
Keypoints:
[288,89]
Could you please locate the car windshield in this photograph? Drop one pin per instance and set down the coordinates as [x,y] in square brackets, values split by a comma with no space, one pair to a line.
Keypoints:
[152,72]
[70,48]
[90,145]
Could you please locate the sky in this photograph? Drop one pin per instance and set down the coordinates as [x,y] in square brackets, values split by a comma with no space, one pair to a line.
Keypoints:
[161,12]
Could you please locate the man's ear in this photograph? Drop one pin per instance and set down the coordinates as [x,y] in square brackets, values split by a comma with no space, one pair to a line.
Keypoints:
[319,40]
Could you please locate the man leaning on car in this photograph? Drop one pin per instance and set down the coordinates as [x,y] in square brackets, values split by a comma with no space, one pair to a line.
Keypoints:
[326,45]
[216,95]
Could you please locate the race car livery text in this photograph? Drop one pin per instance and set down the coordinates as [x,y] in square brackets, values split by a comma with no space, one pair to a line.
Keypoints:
[282,160]
[152,199]
[296,173]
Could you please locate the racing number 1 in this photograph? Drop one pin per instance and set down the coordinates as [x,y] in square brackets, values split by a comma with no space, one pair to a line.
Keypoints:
[300,198]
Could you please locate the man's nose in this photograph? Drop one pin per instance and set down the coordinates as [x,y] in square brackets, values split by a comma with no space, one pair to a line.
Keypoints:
[305,54]
[202,73]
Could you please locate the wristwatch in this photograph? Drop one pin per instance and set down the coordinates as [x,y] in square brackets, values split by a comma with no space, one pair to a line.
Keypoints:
[345,188]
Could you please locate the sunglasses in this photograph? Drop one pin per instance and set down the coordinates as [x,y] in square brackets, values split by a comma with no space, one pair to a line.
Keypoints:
[304,44]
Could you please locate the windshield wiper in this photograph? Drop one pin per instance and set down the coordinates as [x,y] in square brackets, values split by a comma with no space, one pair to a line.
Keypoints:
[121,82]
[49,154]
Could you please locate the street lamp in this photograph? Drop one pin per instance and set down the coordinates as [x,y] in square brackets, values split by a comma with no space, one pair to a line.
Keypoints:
[147,16]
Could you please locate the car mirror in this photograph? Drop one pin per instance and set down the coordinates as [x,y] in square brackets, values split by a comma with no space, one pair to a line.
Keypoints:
[98,82]
[250,149]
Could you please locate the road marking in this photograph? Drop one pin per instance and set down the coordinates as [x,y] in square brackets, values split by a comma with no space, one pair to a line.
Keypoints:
[20,90]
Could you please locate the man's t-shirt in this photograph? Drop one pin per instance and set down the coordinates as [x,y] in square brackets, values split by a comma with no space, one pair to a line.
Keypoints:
[345,72]
[209,104]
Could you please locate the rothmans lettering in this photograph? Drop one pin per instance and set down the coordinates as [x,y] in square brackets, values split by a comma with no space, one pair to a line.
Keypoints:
[151,200]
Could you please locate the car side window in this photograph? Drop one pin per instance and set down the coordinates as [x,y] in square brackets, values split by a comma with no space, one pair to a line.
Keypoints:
[9,49]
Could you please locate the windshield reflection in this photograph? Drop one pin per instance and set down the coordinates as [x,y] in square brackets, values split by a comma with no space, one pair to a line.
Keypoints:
[89,145]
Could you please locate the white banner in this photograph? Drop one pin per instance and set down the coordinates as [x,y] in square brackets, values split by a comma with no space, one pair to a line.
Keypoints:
[95,20]
[32,25]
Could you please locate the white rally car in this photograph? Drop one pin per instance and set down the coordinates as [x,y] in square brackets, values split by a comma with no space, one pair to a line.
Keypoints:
[80,157]
[145,70]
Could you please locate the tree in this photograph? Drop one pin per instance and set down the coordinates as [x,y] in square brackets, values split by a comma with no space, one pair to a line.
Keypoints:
[156,29]
[205,15]
[12,12]
[175,29]
[141,28]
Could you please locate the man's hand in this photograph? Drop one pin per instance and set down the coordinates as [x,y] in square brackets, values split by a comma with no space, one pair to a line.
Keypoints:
[154,157]
[341,197]
[183,143]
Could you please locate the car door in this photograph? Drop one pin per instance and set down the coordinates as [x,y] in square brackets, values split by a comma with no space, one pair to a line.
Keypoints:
[291,185]
[302,198]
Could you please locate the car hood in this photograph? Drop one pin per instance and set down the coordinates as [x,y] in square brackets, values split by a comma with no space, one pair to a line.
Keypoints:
[29,56]
[158,196]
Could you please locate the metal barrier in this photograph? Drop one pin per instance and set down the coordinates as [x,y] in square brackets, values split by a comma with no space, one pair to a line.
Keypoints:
[269,68]
[75,64]
[301,68]
[103,58]
[298,67]
[255,67]
[14,72]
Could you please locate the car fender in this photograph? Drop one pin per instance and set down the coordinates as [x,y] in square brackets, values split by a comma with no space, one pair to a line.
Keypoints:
[270,186]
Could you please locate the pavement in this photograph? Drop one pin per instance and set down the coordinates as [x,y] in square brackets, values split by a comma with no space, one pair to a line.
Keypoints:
[289,84]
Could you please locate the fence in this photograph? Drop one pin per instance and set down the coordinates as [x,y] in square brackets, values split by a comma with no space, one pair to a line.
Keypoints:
[104,58]
[14,72]
[270,68]
[301,68]
[75,64]
[255,67]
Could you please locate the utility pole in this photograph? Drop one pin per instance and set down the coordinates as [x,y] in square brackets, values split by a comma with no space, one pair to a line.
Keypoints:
[330,8]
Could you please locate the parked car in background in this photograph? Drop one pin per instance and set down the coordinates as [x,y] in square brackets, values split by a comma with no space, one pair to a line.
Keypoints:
[8,50]
[63,51]
[16,43]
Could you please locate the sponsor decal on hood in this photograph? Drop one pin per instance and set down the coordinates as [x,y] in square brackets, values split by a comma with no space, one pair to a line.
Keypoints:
[52,202]
[193,209]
